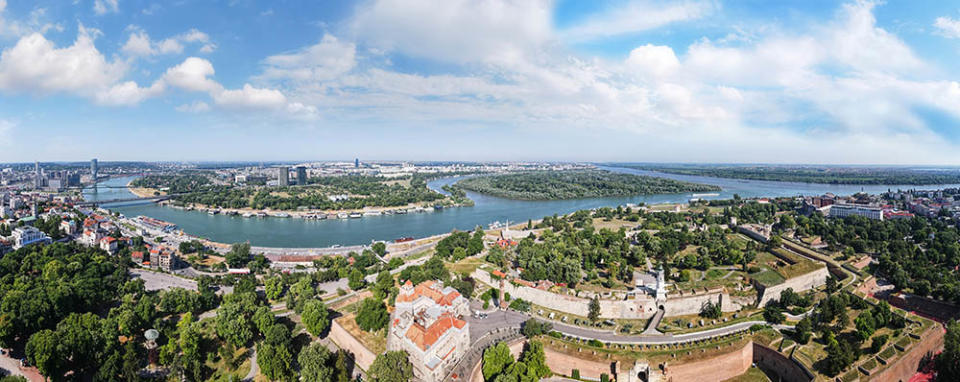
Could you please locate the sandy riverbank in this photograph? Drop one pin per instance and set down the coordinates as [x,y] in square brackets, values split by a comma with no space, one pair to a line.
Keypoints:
[142,192]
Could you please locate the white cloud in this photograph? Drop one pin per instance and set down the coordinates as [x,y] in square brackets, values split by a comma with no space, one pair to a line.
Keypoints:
[637,16]
[140,44]
[192,75]
[947,27]
[250,97]
[654,60]
[195,107]
[101,7]
[35,65]
[455,30]
[324,61]
[128,94]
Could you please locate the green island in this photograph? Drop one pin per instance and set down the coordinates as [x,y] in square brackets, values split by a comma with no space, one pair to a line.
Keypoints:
[553,185]
[809,174]
[321,193]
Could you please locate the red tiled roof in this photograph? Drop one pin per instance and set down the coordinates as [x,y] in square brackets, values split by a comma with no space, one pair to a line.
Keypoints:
[424,338]
[426,289]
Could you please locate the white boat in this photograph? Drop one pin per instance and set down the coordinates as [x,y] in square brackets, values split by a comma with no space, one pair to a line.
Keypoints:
[707,194]
[261,214]
[372,213]
[282,215]
[342,215]
[356,215]
[248,215]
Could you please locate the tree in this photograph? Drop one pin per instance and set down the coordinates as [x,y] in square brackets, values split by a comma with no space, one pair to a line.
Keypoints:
[315,317]
[533,327]
[392,366]
[273,287]
[865,325]
[803,328]
[535,360]
[948,362]
[274,361]
[876,345]
[594,313]
[315,360]
[380,248]
[383,284]
[773,314]
[496,359]
[356,279]
[239,255]
[710,310]
[372,315]
[42,352]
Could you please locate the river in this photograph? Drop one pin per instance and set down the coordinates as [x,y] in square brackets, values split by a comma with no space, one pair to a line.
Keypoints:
[291,232]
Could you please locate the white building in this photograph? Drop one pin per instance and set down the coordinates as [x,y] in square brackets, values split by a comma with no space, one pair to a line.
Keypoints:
[844,210]
[427,325]
[26,235]
[109,244]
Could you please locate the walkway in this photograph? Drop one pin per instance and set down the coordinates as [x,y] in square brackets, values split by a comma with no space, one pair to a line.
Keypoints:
[653,323]
[254,367]
[588,334]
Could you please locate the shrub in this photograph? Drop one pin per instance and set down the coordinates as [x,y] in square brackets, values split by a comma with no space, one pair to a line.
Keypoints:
[575,374]
[595,343]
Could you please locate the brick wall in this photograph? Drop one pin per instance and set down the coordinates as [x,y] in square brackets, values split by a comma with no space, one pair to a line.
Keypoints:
[772,360]
[719,368]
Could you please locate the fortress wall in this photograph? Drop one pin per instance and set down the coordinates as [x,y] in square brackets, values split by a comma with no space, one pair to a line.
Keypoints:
[363,356]
[772,360]
[800,283]
[719,368]
[564,364]
[906,365]
[638,308]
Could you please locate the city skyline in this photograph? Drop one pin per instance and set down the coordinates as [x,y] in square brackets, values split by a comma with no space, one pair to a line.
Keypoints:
[856,82]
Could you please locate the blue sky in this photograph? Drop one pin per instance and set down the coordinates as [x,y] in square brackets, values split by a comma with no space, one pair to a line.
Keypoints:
[627,80]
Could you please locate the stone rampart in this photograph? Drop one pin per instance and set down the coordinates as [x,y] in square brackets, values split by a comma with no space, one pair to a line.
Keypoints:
[638,307]
[800,283]
[773,361]
[561,363]
[718,368]
[905,367]
[340,336]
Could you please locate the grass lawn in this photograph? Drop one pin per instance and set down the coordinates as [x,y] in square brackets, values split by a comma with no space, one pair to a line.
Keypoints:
[715,273]
[753,374]
[669,324]
[467,265]
[768,277]
[376,342]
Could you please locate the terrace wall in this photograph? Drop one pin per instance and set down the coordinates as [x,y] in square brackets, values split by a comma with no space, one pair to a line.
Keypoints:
[800,283]
[340,336]
[906,366]
[787,369]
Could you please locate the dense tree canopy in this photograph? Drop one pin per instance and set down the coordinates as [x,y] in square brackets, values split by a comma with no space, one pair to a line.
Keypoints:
[550,185]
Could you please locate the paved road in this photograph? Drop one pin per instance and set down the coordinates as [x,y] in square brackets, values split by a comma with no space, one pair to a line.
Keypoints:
[583,333]
[654,322]
[495,320]
[254,367]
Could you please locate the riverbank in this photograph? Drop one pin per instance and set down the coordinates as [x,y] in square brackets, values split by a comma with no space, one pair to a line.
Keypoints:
[315,213]
[143,192]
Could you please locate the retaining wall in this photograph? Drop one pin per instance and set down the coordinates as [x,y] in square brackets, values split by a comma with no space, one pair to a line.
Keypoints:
[340,336]
[564,364]
[773,361]
[906,366]
[719,368]
[800,283]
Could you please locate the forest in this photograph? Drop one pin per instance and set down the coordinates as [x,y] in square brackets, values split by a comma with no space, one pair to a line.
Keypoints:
[554,185]
[808,174]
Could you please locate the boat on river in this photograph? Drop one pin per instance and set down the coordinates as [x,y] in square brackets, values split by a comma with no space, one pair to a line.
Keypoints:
[356,215]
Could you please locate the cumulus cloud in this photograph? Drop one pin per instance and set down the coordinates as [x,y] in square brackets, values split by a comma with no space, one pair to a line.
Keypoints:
[192,75]
[128,93]
[947,27]
[102,7]
[654,60]
[140,44]
[324,61]
[637,16]
[36,65]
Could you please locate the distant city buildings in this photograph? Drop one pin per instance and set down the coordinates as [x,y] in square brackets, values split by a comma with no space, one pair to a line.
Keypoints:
[427,324]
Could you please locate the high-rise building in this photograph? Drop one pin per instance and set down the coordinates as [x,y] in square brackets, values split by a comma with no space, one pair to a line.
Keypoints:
[356,162]
[283,176]
[37,178]
[93,168]
[301,175]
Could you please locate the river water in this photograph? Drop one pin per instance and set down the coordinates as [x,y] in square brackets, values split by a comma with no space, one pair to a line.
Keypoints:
[291,232]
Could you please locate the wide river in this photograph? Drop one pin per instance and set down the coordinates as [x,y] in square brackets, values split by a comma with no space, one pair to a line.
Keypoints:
[291,232]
